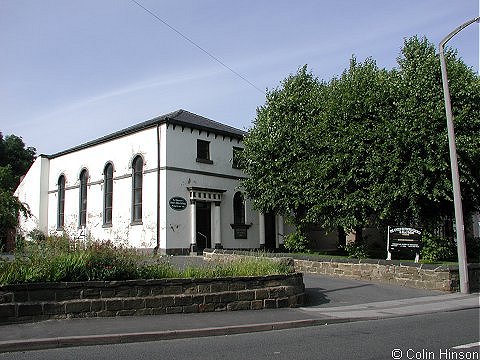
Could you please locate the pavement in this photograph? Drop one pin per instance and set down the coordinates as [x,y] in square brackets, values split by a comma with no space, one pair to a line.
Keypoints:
[329,301]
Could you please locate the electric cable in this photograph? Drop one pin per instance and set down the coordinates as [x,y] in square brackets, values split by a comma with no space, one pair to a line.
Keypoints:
[185,37]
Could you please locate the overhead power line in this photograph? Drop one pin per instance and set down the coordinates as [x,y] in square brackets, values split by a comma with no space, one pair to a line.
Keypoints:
[197,46]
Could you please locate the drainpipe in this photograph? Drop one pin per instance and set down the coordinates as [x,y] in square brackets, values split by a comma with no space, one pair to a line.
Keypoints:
[155,250]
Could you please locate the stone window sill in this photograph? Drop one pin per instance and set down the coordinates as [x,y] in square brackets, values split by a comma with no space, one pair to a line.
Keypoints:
[204,161]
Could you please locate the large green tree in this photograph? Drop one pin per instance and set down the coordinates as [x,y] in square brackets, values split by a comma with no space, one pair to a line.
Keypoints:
[421,187]
[278,149]
[369,147]
[356,132]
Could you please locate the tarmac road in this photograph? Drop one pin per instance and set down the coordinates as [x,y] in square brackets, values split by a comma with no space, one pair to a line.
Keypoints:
[430,336]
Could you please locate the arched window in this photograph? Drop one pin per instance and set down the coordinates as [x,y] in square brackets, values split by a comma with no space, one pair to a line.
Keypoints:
[137,184]
[107,194]
[238,208]
[82,212]
[61,202]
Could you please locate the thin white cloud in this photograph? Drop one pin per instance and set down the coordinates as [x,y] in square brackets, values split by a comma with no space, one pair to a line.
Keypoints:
[158,82]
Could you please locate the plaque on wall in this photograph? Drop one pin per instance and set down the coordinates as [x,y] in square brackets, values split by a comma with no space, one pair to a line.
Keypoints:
[178,203]
[240,231]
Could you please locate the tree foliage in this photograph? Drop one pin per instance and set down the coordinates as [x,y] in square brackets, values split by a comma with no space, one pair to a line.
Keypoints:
[15,160]
[14,153]
[278,149]
[425,193]
[369,147]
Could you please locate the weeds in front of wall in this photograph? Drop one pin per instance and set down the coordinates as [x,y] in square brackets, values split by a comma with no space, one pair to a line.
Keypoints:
[51,260]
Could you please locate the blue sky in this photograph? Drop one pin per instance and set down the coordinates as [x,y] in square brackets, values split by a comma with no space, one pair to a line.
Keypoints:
[72,71]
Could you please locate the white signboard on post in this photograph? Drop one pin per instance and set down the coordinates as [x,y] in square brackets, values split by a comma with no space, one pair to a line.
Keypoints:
[404,238]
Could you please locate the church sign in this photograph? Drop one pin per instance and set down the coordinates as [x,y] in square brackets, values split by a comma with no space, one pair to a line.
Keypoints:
[178,203]
[404,238]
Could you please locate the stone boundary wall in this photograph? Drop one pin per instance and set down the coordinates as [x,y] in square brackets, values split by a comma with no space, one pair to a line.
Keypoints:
[41,301]
[422,276]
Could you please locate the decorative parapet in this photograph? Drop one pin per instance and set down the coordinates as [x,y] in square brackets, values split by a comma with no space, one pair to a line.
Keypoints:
[40,301]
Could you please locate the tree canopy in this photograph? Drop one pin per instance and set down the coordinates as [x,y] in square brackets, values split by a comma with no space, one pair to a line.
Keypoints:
[368,147]
[15,160]
[14,153]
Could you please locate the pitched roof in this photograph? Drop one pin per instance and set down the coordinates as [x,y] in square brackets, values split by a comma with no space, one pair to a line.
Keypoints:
[179,117]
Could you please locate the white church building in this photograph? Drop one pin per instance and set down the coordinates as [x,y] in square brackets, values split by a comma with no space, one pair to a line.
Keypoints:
[171,184]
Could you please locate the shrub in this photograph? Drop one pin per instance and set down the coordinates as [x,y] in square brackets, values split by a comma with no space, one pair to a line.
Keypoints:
[436,248]
[36,235]
[108,262]
[355,250]
[19,243]
[296,242]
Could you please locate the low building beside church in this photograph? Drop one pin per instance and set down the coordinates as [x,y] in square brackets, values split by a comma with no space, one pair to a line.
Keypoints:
[171,183]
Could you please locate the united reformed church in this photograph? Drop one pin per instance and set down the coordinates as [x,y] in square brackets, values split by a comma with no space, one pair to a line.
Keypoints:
[171,183]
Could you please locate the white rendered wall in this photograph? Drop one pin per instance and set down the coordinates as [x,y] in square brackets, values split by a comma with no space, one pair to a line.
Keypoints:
[120,152]
[183,171]
[33,191]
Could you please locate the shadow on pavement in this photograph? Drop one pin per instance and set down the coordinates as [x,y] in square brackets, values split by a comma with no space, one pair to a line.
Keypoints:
[317,296]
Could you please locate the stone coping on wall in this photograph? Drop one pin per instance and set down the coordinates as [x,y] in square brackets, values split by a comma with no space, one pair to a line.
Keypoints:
[327,258]
[397,272]
[41,301]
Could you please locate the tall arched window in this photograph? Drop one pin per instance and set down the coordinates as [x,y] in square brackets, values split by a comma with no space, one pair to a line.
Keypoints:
[238,208]
[107,194]
[82,212]
[137,185]
[61,202]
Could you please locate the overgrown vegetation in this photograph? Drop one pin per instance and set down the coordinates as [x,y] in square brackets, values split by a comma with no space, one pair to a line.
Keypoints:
[50,260]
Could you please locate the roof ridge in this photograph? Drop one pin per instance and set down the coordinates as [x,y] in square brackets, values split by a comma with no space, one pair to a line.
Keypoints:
[173,116]
[208,119]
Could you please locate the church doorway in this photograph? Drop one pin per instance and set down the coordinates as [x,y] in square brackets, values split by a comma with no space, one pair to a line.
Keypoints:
[204,226]
[270,232]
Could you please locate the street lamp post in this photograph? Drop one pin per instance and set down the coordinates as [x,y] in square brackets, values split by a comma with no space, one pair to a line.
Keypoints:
[457,199]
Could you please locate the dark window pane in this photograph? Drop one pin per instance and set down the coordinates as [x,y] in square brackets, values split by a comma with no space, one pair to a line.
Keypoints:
[137,184]
[238,208]
[138,180]
[61,202]
[137,196]
[108,185]
[203,150]
[137,212]
[108,194]
[83,198]
[108,216]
